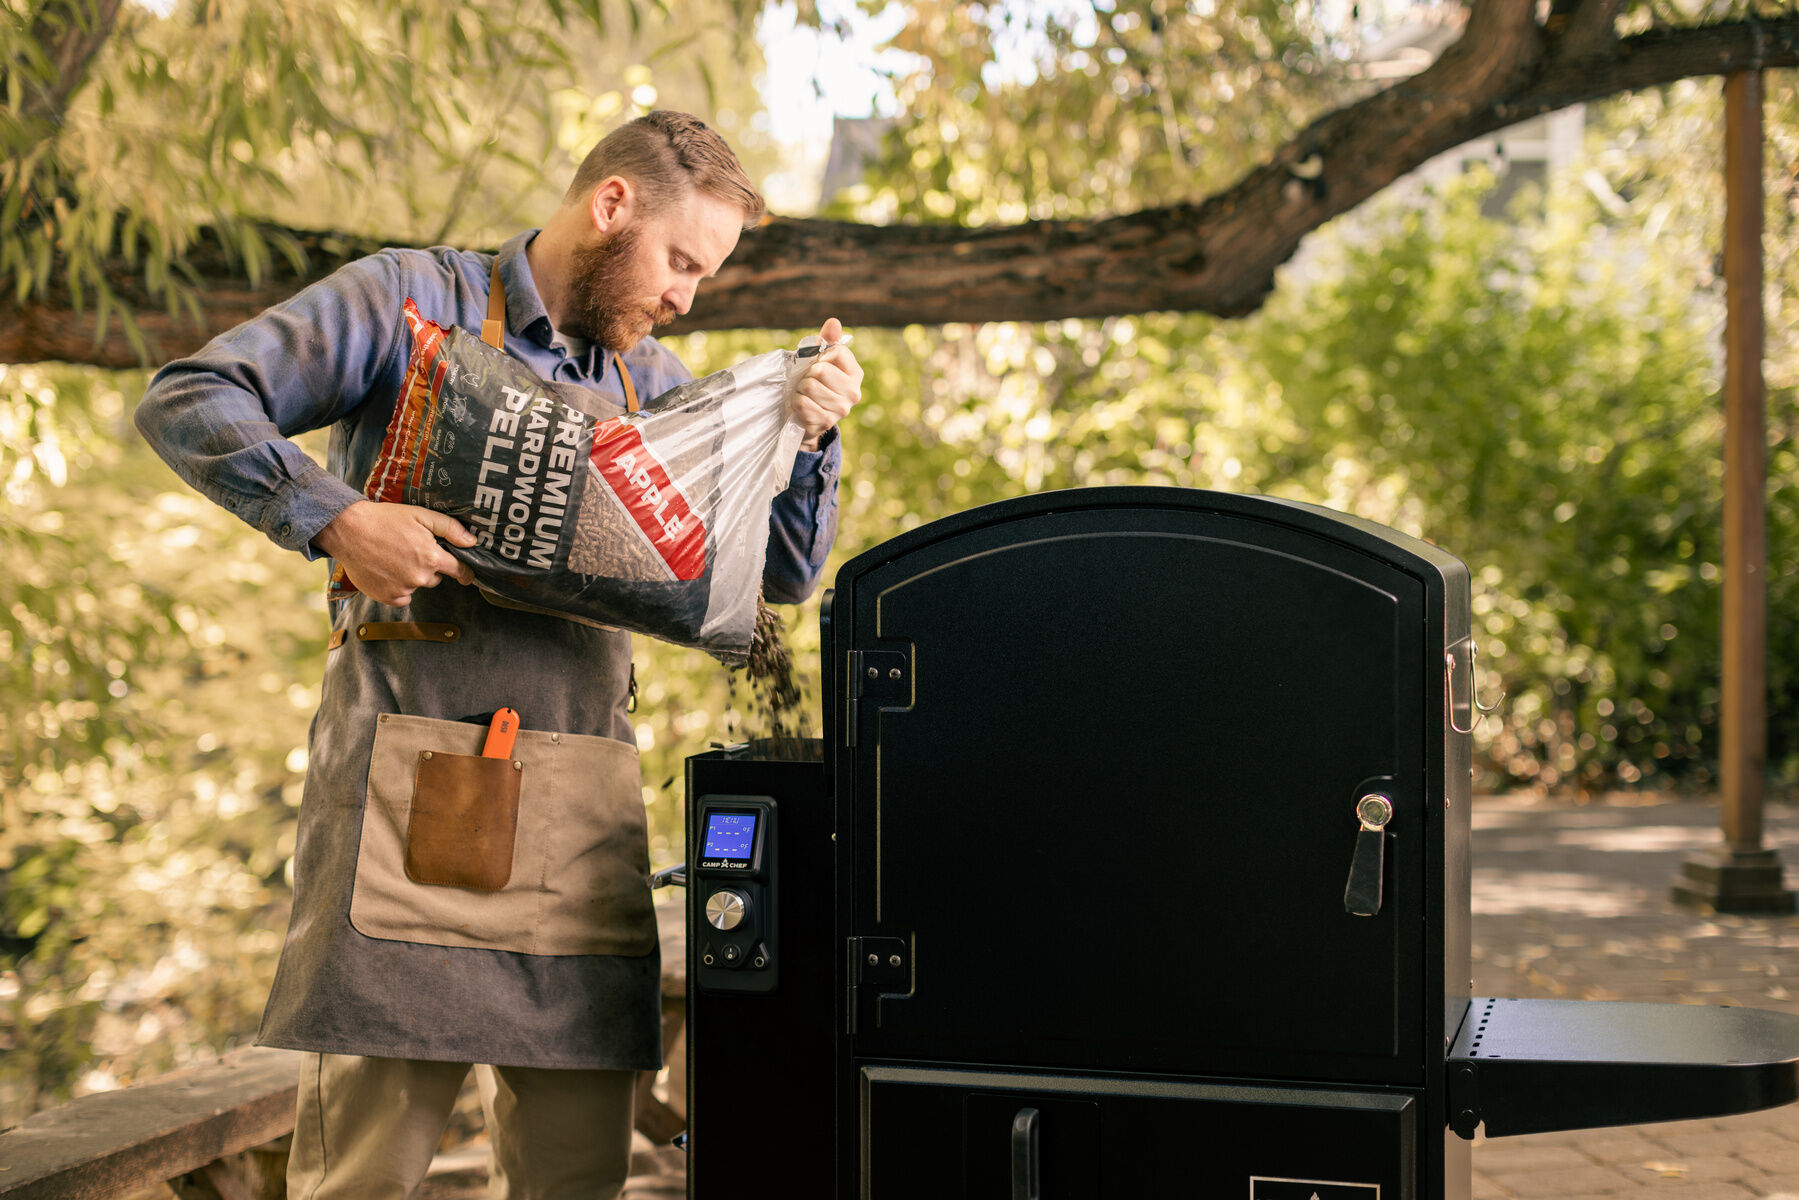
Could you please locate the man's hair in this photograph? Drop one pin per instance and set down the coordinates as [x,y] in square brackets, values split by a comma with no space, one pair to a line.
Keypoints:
[662,153]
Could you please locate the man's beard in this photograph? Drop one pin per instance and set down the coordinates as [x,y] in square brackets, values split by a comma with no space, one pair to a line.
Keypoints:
[603,295]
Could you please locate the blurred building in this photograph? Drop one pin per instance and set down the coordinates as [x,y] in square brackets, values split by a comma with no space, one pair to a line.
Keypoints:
[855,142]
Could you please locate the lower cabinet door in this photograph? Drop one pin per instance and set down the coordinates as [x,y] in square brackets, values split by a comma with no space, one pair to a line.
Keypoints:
[995,1135]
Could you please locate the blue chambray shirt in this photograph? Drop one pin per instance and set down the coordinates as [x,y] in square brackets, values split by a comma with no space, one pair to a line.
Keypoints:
[334,354]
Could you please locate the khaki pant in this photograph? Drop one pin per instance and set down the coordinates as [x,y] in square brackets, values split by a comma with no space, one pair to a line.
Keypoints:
[367,1128]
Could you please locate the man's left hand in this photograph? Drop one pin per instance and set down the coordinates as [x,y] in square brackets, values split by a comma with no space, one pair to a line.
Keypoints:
[831,386]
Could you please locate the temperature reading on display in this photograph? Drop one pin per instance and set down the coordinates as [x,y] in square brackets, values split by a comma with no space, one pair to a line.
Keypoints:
[730,838]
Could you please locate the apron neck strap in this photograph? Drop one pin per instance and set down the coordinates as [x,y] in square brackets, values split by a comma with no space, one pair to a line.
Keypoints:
[630,388]
[493,330]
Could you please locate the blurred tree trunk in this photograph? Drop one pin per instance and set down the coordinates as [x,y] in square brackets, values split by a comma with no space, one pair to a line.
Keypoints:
[70,33]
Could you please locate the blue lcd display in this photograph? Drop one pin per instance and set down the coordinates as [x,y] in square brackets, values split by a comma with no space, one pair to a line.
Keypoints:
[730,835]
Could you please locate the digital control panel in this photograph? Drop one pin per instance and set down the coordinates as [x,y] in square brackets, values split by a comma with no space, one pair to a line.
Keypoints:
[732,887]
[729,840]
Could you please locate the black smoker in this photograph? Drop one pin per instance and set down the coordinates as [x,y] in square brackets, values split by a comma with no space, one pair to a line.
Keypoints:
[1137,864]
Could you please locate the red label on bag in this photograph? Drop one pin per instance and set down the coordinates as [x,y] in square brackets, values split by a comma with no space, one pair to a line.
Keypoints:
[415,412]
[643,486]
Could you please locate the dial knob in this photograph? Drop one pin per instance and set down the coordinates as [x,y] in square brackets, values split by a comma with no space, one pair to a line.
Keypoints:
[727,908]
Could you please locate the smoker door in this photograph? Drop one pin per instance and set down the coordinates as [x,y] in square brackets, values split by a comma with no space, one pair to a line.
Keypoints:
[975,1135]
[1102,771]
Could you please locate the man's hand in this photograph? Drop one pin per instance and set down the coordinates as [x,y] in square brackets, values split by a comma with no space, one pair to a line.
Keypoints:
[830,387]
[391,550]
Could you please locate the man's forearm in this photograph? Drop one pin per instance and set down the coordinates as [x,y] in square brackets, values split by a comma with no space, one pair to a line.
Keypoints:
[222,417]
[221,442]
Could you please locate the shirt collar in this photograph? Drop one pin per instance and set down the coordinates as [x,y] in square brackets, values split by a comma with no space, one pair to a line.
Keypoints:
[524,306]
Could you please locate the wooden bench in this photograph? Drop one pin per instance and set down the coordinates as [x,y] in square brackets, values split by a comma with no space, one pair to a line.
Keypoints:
[220,1131]
[114,1143]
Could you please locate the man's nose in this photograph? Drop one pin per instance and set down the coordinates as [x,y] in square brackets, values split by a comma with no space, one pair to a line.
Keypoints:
[679,296]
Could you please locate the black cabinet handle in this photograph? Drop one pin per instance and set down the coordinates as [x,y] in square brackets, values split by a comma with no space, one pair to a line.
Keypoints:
[1025,1182]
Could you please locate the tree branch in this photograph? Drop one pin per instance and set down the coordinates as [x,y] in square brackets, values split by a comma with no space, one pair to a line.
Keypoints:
[1591,29]
[1217,256]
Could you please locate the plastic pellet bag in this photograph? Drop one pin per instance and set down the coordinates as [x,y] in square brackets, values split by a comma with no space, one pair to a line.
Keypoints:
[655,521]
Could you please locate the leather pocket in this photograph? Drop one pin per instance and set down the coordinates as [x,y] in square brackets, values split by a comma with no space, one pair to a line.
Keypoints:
[464,820]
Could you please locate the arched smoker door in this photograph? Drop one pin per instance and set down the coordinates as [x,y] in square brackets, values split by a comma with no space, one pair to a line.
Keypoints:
[1099,760]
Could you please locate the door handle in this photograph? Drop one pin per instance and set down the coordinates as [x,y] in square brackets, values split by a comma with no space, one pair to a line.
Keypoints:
[1026,1184]
[1362,895]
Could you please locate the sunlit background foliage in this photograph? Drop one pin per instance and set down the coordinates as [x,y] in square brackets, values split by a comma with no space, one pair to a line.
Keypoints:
[1536,392]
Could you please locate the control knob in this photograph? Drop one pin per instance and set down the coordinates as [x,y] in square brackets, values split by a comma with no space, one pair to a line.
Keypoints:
[726,909]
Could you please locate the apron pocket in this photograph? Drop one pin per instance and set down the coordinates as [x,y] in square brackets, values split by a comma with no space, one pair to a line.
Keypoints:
[573,878]
[464,820]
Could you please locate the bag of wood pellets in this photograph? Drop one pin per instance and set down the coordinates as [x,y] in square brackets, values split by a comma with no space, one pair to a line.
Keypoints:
[655,521]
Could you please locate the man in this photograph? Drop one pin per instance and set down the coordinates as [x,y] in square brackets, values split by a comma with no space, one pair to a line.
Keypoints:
[394,986]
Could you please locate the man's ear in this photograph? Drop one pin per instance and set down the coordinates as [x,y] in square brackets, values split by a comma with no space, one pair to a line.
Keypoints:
[611,203]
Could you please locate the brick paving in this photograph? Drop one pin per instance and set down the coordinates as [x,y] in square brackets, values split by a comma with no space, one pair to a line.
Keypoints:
[1570,903]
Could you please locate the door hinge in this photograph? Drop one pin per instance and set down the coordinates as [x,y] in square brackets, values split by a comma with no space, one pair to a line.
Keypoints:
[1464,1097]
[878,966]
[884,678]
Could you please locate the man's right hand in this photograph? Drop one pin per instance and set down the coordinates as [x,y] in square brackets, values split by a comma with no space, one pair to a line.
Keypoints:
[390,550]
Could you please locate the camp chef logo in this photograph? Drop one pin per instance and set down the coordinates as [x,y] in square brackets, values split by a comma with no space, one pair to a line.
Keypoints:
[643,487]
[1263,1187]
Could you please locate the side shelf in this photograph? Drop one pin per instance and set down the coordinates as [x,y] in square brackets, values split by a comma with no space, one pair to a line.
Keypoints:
[1532,1066]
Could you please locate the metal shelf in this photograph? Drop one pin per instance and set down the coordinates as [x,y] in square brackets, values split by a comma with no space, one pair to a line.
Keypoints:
[1532,1066]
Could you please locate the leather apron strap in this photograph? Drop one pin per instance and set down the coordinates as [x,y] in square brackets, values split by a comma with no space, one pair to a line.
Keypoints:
[398,631]
[493,330]
[625,378]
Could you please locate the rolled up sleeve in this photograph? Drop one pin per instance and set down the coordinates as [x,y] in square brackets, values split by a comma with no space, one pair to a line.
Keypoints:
[222,417]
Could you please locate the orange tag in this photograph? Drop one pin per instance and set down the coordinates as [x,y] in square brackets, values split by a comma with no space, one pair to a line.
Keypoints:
[500,735]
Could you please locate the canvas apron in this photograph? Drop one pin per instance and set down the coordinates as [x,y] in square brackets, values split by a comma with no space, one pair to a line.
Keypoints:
[462,909]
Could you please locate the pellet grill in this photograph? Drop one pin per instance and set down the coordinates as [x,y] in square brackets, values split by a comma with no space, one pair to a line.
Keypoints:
[1134,861]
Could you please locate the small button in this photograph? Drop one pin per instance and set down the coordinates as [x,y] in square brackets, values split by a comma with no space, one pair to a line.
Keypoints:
[287,530]
[732,954]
